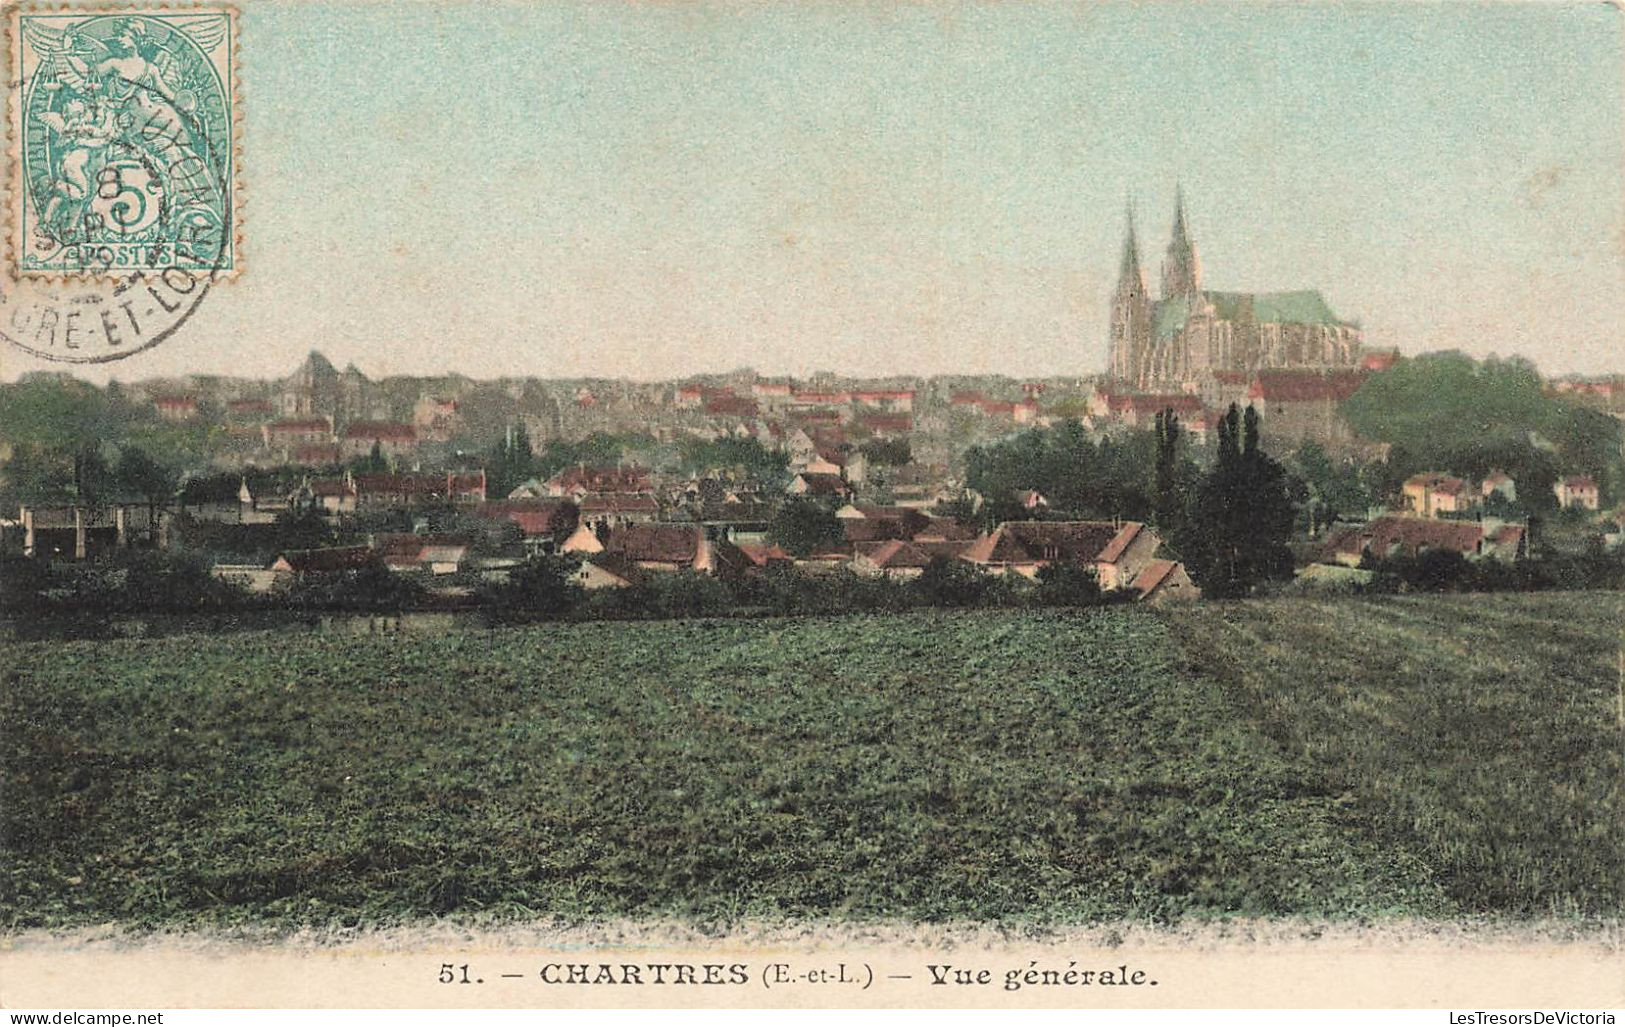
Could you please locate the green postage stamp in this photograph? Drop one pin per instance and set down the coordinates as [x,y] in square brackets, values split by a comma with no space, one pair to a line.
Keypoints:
[122,141]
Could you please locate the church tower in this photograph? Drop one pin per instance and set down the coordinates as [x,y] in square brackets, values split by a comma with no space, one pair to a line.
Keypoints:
[1130,340]
[1181,268]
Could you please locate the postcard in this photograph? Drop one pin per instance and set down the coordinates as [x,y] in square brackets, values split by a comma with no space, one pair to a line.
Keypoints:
[872,504]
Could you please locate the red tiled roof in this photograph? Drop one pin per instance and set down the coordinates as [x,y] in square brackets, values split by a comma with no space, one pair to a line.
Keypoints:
[1410,534]
[946,529]
[1155,403]
[1306,386]
[657,543]
[1047,541]
[889,422]
[862,529]
[1379,360]
[882,394]
[827,436]
[737,512]
[1151,404]
[1428,479]
[762,555]
[405,550]
[381,430]
[731,406]
[1153,575]
[469,484]
[332,487]
[318,454]
[250,406]
[824,484]
[1580,483]
[328,561]
[817,417]
[1120,542]
[900,553]
[602,479]
[300,425]
[618,503]
[535,517]
[912,518]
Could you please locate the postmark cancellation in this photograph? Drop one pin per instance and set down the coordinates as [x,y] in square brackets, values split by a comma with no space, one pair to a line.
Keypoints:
[122,139]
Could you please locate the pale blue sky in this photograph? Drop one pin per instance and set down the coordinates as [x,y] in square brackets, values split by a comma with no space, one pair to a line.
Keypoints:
[652,190]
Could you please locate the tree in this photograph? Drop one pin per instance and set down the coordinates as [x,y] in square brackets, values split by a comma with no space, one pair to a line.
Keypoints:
[1168,504]
[1333,488]
[373,588]
[950,582]
[36,476]
[1068,584]
[963,509]
[1241,516]
[138,474]
[686,594]
[887,452]
[512,462]
[543,587]
[743,458]
[1111,478]
[1446,411]
[802,526]
[302,529]
[92,479]
[374,462]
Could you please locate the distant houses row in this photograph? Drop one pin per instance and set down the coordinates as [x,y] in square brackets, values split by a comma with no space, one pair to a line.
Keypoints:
[1121,555]
[1437,494]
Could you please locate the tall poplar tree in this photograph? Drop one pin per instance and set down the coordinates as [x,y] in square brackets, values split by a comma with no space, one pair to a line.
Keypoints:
[1241,516]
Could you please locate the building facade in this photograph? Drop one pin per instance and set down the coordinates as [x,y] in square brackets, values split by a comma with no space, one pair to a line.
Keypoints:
[1190,333]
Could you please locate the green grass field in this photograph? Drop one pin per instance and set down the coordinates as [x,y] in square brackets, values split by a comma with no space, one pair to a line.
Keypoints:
[1406,756]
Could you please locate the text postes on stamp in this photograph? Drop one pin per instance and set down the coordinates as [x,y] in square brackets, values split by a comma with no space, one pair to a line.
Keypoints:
[121,132]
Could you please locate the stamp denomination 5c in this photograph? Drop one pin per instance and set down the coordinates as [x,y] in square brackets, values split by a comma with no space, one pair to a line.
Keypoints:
[122,142]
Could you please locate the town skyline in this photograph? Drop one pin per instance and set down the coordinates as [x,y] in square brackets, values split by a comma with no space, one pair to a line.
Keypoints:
[885,191]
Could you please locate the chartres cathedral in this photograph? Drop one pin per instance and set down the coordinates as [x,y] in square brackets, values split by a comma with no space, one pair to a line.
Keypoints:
[1191,333]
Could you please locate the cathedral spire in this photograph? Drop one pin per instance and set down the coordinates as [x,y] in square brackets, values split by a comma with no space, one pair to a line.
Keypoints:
[1181,270]
[1130,271]
[1181,233]
[1130,338]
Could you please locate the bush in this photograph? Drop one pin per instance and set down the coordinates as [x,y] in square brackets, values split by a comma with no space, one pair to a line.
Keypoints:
[122,581]
[949,582]
[686,594]
[543,588]
[1068,584]
[371,589]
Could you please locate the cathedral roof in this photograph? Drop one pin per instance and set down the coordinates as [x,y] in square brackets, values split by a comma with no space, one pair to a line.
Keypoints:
[1169,317]
[1304,306]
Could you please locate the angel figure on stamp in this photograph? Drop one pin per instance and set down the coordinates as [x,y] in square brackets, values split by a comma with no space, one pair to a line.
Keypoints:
[132,86]
[87,130]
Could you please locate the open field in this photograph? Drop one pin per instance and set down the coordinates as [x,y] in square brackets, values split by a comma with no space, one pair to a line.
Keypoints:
[1435,757]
